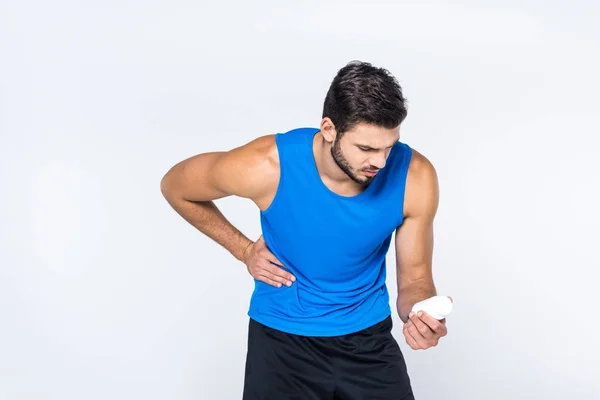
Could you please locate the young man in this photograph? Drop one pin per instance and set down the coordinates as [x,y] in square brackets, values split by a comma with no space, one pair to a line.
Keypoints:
[330,200]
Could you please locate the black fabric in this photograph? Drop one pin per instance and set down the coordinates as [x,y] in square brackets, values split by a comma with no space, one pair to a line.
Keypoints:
[366,365]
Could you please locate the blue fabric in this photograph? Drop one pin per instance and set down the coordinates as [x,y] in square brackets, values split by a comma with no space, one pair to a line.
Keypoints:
[335,245]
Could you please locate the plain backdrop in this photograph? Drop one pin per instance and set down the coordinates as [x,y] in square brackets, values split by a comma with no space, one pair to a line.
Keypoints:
[106,293]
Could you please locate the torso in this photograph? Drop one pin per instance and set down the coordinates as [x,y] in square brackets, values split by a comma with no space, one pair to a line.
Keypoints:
[267,149]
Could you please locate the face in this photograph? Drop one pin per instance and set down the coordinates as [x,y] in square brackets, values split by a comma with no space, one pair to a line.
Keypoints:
[363,151]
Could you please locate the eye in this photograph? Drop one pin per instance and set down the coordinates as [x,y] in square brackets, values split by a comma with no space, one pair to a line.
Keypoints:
[364,148]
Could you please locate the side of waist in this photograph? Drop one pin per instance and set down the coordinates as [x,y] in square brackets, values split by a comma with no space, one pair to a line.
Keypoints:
[291,310]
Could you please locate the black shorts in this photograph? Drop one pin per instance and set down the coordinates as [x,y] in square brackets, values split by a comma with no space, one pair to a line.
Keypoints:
[366,365]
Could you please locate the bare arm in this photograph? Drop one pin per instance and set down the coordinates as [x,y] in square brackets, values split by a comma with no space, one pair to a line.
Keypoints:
[250,171]
[414,238]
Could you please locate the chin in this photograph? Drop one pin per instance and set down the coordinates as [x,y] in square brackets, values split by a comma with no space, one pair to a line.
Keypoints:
[365,179]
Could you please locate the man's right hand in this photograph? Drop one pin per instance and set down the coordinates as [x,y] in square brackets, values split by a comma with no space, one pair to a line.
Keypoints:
[261,265]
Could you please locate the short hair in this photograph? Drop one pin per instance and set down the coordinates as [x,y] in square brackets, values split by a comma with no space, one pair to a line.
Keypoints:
[363,93]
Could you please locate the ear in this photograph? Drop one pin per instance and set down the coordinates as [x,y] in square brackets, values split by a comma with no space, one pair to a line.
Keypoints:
[328,130]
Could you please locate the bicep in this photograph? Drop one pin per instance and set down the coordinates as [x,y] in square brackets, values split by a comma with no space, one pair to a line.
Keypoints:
[210,176]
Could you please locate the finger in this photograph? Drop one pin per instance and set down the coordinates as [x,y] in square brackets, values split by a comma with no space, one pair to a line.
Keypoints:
[410,340]
[423,328]
[265,253]
[416,335]
[268,280]
[438,327]
[270,275]
[270,257]
[279,272]
[274,260]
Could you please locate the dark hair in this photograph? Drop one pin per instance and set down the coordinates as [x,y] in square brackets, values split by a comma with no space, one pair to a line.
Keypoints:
[361,92]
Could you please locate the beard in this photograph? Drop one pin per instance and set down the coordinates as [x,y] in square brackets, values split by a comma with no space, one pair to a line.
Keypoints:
[340,160]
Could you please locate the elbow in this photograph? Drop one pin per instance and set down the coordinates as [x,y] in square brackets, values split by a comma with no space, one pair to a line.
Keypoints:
[166,187]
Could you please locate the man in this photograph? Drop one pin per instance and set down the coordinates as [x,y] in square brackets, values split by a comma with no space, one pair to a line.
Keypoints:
[330,200]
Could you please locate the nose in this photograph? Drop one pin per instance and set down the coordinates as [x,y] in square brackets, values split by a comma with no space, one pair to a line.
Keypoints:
[378,160]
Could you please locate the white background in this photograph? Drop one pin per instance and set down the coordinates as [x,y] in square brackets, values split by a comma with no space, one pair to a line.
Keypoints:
[106,293]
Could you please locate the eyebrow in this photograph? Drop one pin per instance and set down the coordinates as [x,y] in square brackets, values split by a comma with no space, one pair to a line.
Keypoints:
[373,148]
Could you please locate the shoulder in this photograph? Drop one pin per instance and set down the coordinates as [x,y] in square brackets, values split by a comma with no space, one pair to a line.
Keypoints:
[260,153]
[422,189]
[256,165]
[421,167]
[250,170]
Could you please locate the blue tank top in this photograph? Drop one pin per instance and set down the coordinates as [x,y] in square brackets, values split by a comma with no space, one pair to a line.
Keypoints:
[335,245]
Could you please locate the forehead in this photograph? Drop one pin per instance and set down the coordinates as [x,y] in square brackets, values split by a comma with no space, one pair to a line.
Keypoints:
[373,135]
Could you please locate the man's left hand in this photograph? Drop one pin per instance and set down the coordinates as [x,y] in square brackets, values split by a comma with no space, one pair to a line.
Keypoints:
[422,331]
